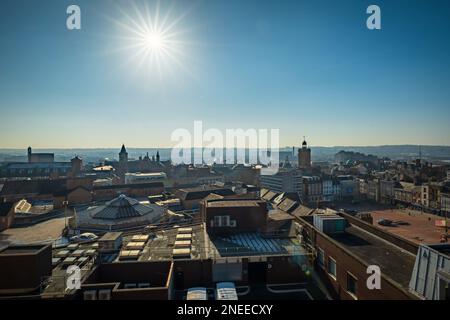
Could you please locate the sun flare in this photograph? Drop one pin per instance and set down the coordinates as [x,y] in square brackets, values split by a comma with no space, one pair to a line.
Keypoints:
[152,41]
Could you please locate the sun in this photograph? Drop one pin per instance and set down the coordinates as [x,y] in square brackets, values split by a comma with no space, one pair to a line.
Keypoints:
[153,41]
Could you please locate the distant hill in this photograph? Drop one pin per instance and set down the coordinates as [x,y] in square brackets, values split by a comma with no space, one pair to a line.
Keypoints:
[390,151]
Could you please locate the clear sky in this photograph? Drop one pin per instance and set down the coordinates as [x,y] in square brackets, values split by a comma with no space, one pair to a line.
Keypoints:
[305,67]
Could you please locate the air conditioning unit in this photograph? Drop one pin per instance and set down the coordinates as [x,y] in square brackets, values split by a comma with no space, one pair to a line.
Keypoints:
[104,294]
[232,223]
[90,295]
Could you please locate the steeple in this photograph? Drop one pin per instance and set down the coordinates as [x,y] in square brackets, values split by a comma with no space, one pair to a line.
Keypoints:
[123,155]
[157,156]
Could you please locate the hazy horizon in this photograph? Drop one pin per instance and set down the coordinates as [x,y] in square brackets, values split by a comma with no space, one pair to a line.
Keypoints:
[170,147]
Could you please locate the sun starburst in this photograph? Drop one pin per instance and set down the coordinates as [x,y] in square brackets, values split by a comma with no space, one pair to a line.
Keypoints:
[153,41]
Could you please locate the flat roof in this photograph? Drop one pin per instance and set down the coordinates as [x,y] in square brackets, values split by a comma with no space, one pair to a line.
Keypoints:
[45,231]
[161,246]
[414,225]
[203,246]
[111,236]
[233,203]
[393,261]
[26,249]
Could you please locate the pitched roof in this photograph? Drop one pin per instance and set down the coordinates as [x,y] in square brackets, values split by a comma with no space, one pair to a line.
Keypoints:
[68,191]
[269,196]
[288,205]
[213,196]
[263,191]
[121,207]
[302,210]
[407,186]
[201,193]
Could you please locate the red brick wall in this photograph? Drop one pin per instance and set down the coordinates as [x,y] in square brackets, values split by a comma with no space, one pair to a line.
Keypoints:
[345,262]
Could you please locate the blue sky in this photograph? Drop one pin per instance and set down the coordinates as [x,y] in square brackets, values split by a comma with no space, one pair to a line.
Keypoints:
[305,67]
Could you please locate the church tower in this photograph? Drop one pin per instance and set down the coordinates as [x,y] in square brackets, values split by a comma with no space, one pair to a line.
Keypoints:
[123,163]
[123,155]
[304,155]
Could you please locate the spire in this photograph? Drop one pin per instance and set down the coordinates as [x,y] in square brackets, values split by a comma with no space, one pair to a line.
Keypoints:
[304,144]
[123,155]
[157,155]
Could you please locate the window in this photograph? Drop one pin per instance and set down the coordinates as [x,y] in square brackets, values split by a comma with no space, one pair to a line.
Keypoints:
[320,257]
[332,267]
[225,221]
[351,284]
[221,221]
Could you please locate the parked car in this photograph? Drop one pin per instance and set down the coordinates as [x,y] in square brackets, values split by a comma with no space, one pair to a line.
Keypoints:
[197,293]
[226,291]
[84,237]
[385,222]
[402,223]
